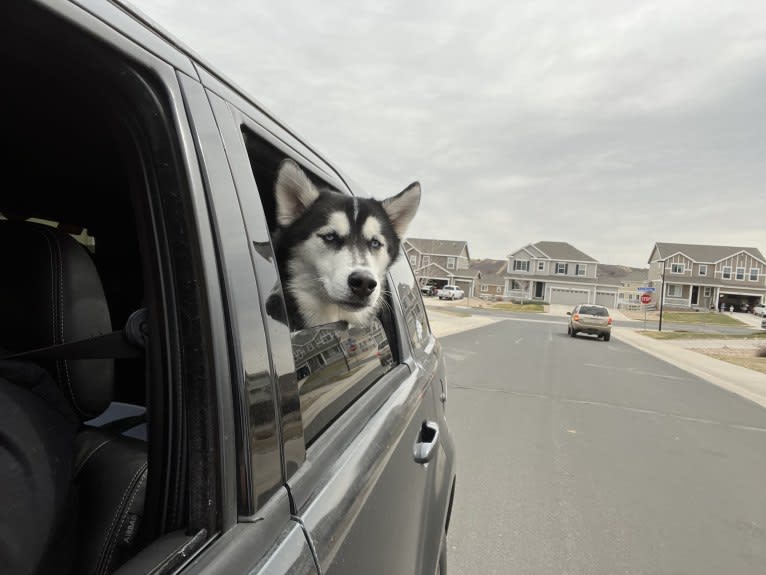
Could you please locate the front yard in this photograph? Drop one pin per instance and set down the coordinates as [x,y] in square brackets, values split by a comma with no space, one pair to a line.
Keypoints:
[699,335]
[742,357]
[695,317]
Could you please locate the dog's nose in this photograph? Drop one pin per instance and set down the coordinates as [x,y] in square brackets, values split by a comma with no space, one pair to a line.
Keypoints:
[362,284]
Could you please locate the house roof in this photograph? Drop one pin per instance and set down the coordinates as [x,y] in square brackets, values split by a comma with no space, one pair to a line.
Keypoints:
[557,251]
[491,270]
[700,252]
[442,247]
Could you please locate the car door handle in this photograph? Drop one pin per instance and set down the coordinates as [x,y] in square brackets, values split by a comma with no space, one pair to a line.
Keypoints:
[426,441]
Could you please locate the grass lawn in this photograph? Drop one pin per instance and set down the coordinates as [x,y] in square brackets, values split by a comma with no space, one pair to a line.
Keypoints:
[700,335]
[700,318]
[448,311]
[750,362]
[527,307]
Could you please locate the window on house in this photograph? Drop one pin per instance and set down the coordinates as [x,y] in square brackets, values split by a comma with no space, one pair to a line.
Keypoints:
[521,265]
[677,268]
[726,273]
[515,285]
[426,260]
[703,270]
[562,268]
[413,260]
[740,274]
[450,263]
[621,296]
[708,291]
[675,290]
[484,288]
[541,266]
[581,269]
[754,274]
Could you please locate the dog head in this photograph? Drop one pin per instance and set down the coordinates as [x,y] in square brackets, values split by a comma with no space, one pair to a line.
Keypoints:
[335,249]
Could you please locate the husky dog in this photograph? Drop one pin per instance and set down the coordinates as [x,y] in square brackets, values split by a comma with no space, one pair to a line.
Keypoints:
[333,250]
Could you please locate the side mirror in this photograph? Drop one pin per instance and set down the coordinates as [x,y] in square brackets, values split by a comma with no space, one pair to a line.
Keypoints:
[569,313]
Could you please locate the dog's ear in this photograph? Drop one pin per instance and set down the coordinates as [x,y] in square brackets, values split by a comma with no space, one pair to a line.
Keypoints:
[401,208]
[294,192]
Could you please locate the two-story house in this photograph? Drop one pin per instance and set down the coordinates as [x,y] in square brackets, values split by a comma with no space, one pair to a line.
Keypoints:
[491,280]
[708,277]
[558,273]
[441,262]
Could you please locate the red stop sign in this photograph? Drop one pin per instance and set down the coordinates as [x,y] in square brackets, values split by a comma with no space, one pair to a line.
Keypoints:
[646,298]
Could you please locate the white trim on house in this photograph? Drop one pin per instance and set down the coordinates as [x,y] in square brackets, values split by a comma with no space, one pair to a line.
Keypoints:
[735,254]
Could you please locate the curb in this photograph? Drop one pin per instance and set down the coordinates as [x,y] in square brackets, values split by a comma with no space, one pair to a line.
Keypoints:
[739,380]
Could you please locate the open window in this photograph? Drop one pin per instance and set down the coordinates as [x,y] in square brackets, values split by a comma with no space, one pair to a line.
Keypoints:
[96,236]
[334,364]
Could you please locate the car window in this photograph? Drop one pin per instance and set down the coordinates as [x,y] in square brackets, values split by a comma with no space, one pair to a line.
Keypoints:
[594,310]
[334,364]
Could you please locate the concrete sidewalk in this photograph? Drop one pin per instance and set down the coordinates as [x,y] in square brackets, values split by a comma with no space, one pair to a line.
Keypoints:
[740,380]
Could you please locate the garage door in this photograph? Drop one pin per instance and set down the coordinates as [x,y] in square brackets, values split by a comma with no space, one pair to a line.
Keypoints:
[605,298]
[568,296]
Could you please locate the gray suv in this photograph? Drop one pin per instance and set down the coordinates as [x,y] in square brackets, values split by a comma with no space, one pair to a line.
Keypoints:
[137,250]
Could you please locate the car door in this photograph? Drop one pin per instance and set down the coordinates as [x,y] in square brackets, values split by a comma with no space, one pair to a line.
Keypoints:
[266,538]
[354,481]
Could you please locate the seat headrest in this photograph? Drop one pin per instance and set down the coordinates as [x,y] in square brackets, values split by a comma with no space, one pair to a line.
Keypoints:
[50,293]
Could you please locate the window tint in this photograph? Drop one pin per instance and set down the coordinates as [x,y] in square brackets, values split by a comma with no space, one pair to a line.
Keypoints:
[594,310]
[334,364]
[412,305]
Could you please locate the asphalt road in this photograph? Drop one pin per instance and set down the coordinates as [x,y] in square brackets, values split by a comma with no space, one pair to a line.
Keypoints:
[578,456]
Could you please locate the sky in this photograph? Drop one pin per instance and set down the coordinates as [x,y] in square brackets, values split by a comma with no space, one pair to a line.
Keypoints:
[610,125]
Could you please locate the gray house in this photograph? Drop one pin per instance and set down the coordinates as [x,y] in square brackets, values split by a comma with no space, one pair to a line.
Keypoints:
[491,277]
[704,276]
[558,273]
[441,262]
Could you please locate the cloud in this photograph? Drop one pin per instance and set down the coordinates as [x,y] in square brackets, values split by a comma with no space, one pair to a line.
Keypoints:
[609,124]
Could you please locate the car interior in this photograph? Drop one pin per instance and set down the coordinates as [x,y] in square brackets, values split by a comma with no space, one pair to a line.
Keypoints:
[81,251]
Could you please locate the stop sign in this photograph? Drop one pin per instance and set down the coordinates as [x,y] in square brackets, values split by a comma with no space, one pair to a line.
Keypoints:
[646,298]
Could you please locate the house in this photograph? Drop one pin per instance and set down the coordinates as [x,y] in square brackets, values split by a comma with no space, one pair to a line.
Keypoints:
[441,262]
[558,273]
[705,276]
[491,277]
[628,280]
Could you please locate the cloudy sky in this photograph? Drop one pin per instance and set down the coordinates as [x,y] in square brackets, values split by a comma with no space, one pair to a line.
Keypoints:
[608,124]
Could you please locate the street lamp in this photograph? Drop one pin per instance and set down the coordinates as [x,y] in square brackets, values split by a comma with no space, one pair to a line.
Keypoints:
[662,293]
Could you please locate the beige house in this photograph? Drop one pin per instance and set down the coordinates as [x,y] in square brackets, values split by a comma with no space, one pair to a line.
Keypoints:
[491,280]
[558,273]
[441,262]
[705,277]
[627,280]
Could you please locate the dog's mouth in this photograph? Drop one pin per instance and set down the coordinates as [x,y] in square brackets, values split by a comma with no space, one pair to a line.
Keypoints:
[354,305]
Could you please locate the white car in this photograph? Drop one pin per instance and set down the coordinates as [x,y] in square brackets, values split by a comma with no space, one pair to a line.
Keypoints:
[760,310]
[451,292]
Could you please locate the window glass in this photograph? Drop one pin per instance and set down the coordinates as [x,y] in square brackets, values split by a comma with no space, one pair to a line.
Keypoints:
[412,305]
[334,365]
[594,310]
[754,272]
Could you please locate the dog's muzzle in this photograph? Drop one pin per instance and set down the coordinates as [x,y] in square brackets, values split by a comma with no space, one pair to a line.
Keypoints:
[362,284]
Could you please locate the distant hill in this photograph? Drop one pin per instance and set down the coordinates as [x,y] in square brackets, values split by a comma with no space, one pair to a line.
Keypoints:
[622,273]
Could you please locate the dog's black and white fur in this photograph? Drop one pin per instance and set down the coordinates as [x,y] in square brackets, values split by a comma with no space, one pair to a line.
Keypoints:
[333,250]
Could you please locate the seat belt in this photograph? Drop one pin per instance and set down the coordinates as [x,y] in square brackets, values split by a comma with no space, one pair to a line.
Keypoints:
[128,342]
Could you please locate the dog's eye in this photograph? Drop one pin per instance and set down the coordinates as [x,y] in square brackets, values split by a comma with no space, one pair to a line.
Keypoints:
[375,244]
[329,237]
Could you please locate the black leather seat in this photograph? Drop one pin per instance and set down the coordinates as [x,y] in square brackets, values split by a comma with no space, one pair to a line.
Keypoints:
[50,294]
